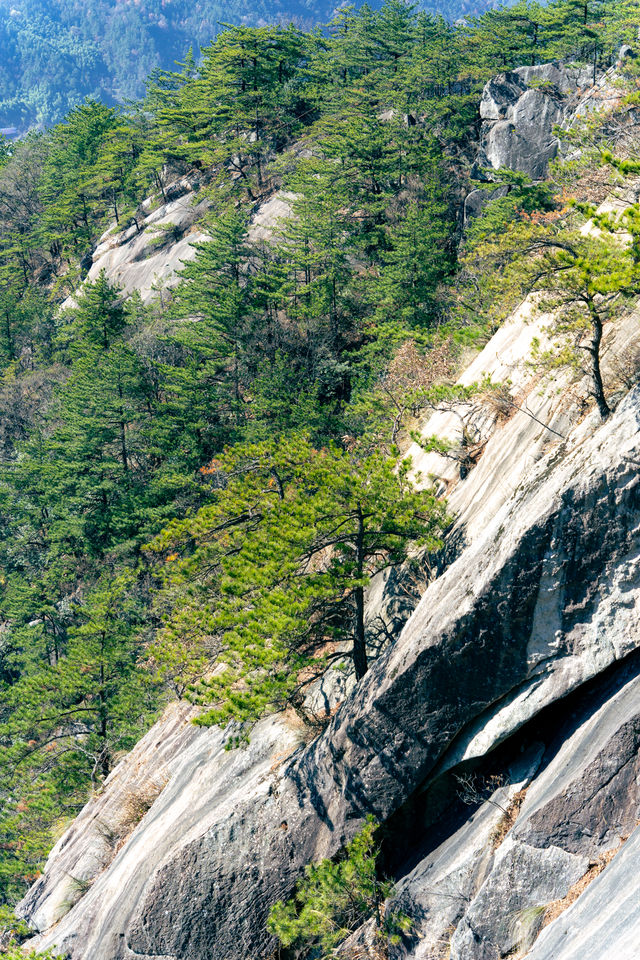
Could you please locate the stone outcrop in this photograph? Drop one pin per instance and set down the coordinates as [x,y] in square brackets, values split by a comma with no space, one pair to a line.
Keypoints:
[515,431]
[604,921]
[147,256]
[544,599]
[487,895]
[519,110]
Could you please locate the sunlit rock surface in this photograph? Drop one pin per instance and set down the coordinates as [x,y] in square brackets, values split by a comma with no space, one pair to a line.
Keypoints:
[520,109]
[543,600]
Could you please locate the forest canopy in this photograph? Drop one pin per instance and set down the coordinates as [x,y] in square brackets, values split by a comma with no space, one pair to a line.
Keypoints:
[54,53]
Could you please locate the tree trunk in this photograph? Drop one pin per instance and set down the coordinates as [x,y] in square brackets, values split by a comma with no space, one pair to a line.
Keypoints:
[160,185]
[359,641]
[258,157]
[359,645]
[595,372]
[103,730]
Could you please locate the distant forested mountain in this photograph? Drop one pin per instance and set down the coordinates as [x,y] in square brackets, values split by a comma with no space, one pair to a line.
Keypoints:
[54,53]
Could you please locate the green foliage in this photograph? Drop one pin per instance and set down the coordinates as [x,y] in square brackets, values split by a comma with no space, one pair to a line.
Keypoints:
[522,200]
[104,48]
[17,953]
[275,568]
[586,281]
[72,157]
[582,278]
[334,899]
[5,150]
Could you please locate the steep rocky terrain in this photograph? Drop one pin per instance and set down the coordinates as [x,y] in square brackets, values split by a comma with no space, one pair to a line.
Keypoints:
[497,738]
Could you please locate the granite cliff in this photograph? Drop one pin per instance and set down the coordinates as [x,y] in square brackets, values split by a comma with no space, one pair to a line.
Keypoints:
[496,739]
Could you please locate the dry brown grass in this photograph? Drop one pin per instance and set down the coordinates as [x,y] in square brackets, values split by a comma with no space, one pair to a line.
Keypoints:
[556,907]
[507,820]
[137,801]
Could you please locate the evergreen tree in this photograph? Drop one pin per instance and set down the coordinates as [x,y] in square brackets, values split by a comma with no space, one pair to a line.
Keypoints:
[584,281]
[228,110]
[64,722]
[277,566]
[212,307]
[73,196]
[5,151]
[335,898]
[417,260]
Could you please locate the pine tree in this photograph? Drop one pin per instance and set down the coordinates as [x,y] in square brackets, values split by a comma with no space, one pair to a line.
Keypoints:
[64,722]
[74,202]
[277,566]
[335,898]
[5,150]
[231,110]
[315,244]
[584,281]
[212,309]
[417,260]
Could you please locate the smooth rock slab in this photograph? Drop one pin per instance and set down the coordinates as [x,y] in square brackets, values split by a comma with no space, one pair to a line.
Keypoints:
[582,802]
[523,879]
[604,923]
[468,661]
[437,893]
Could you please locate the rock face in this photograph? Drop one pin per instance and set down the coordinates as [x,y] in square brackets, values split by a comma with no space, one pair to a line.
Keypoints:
[535,416]
[520,109]
[581,799]
[605,921]
[148,256]
[201,780]
[546,598]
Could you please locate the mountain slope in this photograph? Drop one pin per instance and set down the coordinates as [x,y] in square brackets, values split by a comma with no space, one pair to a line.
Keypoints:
[54,53]
[293,220]
[531,612]
[519,670]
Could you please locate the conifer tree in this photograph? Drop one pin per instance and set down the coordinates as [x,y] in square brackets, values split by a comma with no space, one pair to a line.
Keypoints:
[316,243]
[212,309]
[73,196]
[277,566]
[417,259]
[585,280]
[227,110]
[335,898]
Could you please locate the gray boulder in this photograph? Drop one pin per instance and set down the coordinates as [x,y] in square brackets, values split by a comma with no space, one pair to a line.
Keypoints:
[519,110]
[438,892]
